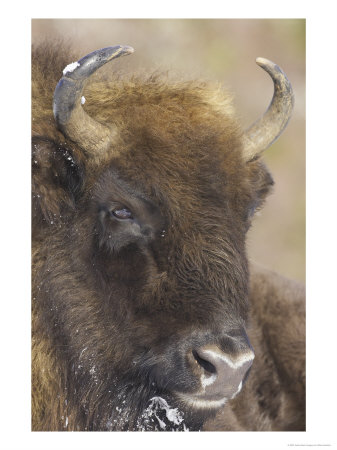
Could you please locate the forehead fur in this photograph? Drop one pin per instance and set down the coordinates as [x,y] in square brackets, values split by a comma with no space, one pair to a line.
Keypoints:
[175,112]
[186,131]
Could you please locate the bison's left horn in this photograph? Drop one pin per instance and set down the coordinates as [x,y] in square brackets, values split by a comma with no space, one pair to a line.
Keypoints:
[269,127]
[70,117]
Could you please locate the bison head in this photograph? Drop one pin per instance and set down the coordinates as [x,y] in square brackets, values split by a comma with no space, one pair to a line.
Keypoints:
[142,202]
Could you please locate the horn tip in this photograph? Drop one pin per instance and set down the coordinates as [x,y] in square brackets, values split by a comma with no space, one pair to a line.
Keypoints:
[127,49]
[263,62]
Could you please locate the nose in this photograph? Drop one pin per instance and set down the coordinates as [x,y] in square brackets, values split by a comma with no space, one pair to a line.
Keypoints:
[221,374]
[207,370]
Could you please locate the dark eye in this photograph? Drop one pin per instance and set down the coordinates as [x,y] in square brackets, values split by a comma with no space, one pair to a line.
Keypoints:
[122,213]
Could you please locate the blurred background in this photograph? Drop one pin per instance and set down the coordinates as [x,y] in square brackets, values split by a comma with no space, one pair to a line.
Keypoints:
[224,50]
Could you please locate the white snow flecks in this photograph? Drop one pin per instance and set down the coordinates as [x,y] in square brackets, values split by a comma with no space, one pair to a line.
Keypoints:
[82,352]
[172,414]
[82,100]
[161,423]
[159,406]
[71,67]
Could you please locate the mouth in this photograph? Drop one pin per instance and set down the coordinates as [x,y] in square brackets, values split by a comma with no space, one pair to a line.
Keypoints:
[181,411]
[203,401]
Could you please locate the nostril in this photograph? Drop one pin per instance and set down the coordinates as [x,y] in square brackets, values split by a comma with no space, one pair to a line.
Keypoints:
[206,365]
[221,374]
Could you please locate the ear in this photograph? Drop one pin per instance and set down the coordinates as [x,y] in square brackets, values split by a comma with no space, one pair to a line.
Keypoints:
[261,182]
[57,180]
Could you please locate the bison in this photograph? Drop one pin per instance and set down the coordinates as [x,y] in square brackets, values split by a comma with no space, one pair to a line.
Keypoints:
[146,313]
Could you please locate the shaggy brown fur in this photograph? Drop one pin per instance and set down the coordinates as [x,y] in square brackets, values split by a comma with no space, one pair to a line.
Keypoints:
[115,313]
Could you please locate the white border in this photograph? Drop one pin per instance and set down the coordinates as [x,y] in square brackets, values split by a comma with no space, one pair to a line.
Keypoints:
[321,223]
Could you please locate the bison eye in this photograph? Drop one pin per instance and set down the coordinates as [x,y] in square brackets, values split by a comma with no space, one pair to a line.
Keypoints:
[122,213]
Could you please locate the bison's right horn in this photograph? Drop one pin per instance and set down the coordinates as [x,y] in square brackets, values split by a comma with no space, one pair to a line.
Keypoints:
[70,117]
[268,128]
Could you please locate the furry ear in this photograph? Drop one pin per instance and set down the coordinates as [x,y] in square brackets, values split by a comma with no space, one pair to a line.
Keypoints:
[57,180]
[262,183]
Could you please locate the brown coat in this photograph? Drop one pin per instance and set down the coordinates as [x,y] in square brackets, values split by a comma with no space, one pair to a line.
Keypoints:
[120,307]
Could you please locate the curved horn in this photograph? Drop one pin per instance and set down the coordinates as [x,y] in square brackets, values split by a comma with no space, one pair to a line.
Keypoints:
[70,117]
[259,136]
